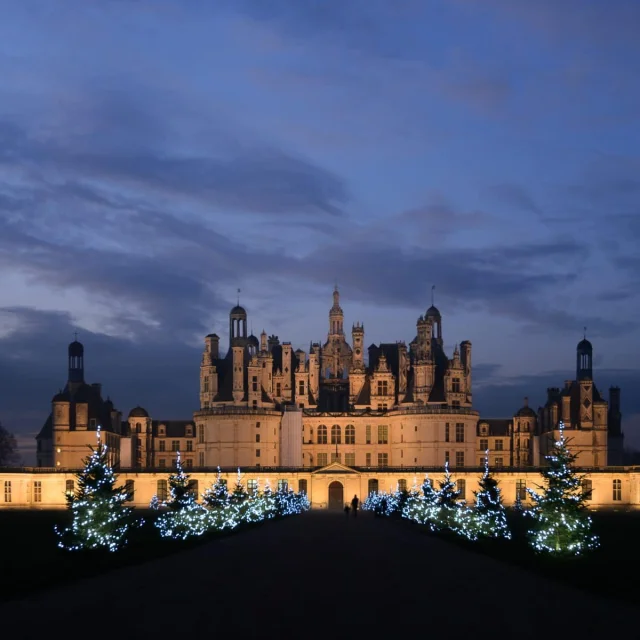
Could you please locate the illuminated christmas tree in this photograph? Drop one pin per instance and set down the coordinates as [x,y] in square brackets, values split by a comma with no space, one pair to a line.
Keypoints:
[562,524]
[100,519]
[186,517]
[180,491]
[489,515]
[217,495]
[446,500]
[239,492]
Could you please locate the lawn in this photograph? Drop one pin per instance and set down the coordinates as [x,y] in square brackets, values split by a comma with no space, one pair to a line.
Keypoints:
[603,572]
[31,561]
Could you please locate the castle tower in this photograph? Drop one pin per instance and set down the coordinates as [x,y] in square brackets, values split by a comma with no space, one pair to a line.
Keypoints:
[208,371]
[336,316]
[584,360]
[357,337]
[237,324]
[76,363]
[436,320]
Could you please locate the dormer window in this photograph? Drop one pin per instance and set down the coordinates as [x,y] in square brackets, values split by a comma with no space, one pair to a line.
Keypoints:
[189,431]
[162,430]
[484,430]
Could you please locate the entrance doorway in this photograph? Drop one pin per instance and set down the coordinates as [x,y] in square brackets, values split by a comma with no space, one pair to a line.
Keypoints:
[336,495]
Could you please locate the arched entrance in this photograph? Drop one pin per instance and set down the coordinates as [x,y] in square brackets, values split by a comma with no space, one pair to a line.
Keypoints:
[336,495]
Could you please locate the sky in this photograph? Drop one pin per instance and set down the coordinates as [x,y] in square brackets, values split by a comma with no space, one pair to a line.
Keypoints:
[156,156]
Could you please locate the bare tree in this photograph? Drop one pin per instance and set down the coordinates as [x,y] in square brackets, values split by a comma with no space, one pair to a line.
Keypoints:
[8,448]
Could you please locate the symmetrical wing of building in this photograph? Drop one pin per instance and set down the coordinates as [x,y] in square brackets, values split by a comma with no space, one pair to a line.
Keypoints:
[333,415]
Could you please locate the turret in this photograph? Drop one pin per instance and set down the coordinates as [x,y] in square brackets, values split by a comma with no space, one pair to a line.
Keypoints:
[584,360]
[76,363]
[336,317]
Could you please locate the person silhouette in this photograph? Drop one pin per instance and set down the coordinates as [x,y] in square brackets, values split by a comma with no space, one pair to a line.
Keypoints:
[354,505]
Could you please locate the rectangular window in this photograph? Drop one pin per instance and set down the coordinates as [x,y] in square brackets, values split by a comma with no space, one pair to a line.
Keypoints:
[498,462]
[446,457]
[201,459]
[283,485]
[617,490]
[189,445]
[462,487]
[446,432]
[383,388]
[69,486]
[129,487]
[484,444]
[301,388]
[278,389]
[499,445]
[162,463]
[175,445]
[257,437]
[455,404]
[460,432]
[200,434]
[383,434]
[193,488]
[161,490]
[252,486]
[162,445]
[350,459]
[206,385]
[322,459]
[587,489]
[455,385]
[368,460]
[258,453]
[335,457]
[254,383]
[521,490]
[188,463]
[383,459]
[302,486]
[257,425]
[402,485]
[7,490]
[37,491]
[368,434]
[459,458]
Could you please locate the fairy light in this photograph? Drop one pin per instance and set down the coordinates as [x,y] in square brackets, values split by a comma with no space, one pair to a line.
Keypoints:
[100,520]
[489,516]
[561,524]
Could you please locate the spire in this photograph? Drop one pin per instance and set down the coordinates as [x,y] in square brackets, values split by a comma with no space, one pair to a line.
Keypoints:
[433,288]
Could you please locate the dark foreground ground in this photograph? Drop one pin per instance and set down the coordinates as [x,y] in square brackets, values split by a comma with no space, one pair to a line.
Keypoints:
[320,575]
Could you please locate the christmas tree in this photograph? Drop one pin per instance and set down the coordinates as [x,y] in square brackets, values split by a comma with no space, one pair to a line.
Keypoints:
[100,519]
[446,500]
[489,515]
[217,495]
[239,492]
[180,491]
[562,525]
[186,517]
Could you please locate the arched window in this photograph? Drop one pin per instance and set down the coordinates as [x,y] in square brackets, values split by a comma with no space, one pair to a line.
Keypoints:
[322,434]
[373,486]
[161,490]
[350,434]
[336,434]
[302,486]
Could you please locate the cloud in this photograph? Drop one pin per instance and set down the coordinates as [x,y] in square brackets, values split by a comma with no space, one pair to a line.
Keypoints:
[514,196]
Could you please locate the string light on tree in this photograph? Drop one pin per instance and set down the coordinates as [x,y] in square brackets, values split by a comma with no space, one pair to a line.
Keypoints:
[100,520]
[490,516]
[562,525]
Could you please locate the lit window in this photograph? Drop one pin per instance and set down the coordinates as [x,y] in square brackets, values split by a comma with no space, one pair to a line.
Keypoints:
[617,490]
[350,434]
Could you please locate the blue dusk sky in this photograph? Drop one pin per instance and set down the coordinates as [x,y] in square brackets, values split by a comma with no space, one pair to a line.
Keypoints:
[155,156]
